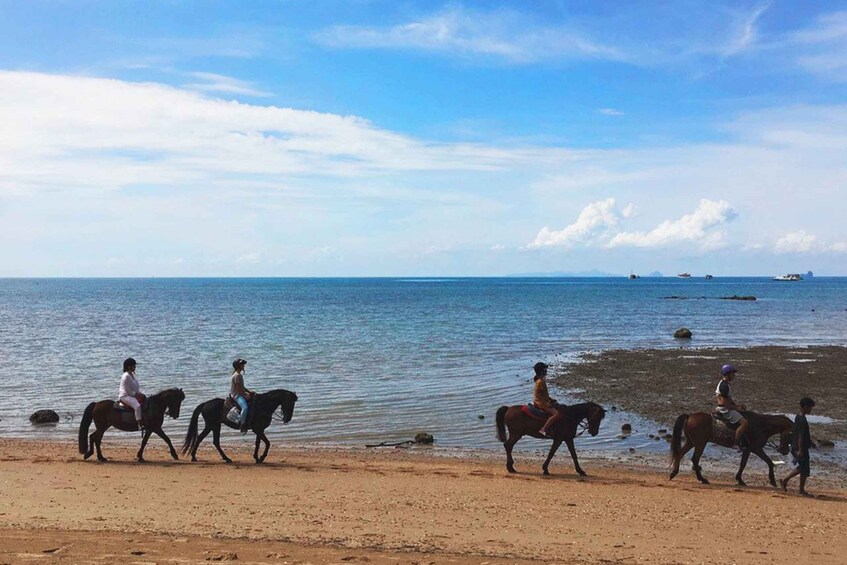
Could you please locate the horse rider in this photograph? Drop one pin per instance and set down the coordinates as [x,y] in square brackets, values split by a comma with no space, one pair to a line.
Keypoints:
[239,393]
[727,407]
[541,397]
[130,392]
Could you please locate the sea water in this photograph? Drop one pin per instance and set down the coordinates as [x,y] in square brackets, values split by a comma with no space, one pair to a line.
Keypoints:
[372,360]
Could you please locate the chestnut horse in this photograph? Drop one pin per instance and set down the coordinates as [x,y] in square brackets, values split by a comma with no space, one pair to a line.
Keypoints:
[520,425]
[104,414]
[698,432]
[261,412]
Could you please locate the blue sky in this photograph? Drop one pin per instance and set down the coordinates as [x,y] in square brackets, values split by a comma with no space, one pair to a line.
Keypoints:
[373,138]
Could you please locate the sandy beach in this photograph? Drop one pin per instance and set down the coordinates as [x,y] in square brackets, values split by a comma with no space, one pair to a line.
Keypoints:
[394,506]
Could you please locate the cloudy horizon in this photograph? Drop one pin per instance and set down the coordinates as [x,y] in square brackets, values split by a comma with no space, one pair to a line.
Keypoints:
[463,139]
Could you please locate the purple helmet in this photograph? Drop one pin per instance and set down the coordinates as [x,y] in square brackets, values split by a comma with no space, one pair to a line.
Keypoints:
[727,369]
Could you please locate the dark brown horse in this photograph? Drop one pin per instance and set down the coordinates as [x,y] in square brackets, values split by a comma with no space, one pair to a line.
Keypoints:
[698,430]
[104,414]
[520,425]
[261,412]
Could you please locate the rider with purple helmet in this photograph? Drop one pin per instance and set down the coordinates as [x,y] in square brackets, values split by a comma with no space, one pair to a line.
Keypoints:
[727,407]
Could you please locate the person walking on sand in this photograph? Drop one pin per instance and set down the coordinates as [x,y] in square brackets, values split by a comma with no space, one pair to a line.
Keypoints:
[727,407]
[801,441]
[239,393]
[541,397]
[130,392]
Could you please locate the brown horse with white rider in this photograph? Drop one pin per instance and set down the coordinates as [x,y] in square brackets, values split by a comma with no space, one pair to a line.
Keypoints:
[106,414]
[520,424]
[700,428]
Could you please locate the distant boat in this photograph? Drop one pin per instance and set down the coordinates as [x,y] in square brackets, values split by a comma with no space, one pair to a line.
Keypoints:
[633,276]
[709,277]
[684,275]
[792,277]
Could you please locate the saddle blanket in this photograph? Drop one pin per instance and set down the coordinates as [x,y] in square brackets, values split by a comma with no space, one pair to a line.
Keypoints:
[722,432]
[535,413]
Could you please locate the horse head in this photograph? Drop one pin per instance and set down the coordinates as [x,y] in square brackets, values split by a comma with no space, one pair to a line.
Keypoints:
[173,398]
[596,413]
[287,406]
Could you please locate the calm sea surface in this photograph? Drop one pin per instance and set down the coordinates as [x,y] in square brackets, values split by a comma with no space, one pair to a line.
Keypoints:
[370,359]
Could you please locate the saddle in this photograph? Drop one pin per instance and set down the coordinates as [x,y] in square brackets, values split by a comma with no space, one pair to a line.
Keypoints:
[540,415]
[127,414]
[720,418]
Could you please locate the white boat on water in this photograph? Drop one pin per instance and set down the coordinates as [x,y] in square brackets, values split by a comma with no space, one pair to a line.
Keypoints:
[792,277]
[684,275]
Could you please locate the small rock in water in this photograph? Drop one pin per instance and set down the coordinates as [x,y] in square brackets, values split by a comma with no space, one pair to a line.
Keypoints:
[623,436]
[662,431]
[682,333]
[632,450]
[481,417]
[44,417]
[826,443]
[626,428]
[424,438]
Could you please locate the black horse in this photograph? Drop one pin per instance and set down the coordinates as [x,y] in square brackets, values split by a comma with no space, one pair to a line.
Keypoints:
[519,425]
[105,414]
[261,413]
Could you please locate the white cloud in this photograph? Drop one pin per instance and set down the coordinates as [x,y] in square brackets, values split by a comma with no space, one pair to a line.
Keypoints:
[500,34]
[795,242]
[629,210]
[610,112]
[692,227]
[594,219]
[820,48]
[212,82]
[839,247]
[252,258]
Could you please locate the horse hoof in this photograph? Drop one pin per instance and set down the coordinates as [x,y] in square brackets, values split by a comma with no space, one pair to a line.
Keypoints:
[546,472]
[140,460]
[194,460]
[102,459]
[704,481]
[87,456]
[228,461]
[511,470]
[583,474]
[742,483]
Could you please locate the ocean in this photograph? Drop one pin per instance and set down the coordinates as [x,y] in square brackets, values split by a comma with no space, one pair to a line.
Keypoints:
[371,360]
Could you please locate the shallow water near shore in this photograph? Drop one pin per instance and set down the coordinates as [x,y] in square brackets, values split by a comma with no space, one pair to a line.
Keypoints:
[374,359]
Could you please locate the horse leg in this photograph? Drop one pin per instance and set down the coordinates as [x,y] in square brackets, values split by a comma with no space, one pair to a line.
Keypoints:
[695,463]
[572,449]
[206,431]
[140,456]
[764,457]
[553,448]
[256,449]
[96,438]
[510,443]
[267,446]
[744,457]
[216,439]
[91,445]
[686,447]
[161,433]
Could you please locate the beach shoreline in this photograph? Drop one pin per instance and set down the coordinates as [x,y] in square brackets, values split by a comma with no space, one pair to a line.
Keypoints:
[389,504]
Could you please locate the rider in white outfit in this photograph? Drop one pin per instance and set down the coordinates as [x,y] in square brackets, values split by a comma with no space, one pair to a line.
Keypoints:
[130,393]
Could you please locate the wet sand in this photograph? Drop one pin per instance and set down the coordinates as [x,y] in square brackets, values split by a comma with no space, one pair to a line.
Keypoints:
[394,506]
[663,383]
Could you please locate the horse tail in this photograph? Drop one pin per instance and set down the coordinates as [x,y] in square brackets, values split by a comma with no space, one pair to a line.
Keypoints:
[192,429]
[676,440]
[87,416]
[501,423]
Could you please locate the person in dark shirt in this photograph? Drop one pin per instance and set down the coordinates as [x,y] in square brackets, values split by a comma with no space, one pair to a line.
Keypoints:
[801,441]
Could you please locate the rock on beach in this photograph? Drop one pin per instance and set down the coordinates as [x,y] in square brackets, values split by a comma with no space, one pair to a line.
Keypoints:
[682,333]
[44,417]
